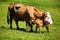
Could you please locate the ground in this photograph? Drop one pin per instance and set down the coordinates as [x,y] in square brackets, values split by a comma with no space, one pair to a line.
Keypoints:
[53,6]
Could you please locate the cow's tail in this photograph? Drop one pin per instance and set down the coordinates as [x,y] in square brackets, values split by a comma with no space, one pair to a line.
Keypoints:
[8,16]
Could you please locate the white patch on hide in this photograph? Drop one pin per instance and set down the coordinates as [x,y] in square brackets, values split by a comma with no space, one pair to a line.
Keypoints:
[48,18]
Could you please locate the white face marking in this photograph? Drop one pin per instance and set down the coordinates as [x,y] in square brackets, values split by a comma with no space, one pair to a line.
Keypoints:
[48,18]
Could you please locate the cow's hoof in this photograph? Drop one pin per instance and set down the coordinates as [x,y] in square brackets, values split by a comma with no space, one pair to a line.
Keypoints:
[35,31]
[17,28]
[31,31]
[48,31]
[10,27]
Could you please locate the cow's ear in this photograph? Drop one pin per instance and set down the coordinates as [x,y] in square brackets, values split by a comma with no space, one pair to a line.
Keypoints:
[43,14]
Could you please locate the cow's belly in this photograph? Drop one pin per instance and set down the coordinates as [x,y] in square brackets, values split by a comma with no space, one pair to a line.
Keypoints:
[21,18]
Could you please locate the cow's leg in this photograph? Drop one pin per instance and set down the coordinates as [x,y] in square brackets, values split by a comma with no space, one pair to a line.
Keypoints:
[10,23]
[36,28]
[47,26]
[31,29]
[39,27]
[17,24]
[29,26]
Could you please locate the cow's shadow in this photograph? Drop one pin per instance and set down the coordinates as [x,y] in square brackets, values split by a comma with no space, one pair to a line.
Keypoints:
[3,27]
[20,29]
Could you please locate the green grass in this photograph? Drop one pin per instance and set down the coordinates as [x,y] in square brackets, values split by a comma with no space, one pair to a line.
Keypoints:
[53,6]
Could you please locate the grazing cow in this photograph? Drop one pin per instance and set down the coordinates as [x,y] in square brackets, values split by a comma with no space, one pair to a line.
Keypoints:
[29,14]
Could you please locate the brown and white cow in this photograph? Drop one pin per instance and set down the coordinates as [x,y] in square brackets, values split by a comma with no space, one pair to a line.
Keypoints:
[29,14]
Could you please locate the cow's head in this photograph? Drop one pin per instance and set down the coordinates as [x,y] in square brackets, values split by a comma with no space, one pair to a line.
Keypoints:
[48,18]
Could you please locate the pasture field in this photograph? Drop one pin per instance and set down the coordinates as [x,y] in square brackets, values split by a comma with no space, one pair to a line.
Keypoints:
[53,6]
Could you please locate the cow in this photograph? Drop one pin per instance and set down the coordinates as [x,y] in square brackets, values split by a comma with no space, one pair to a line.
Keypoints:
[29,14]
